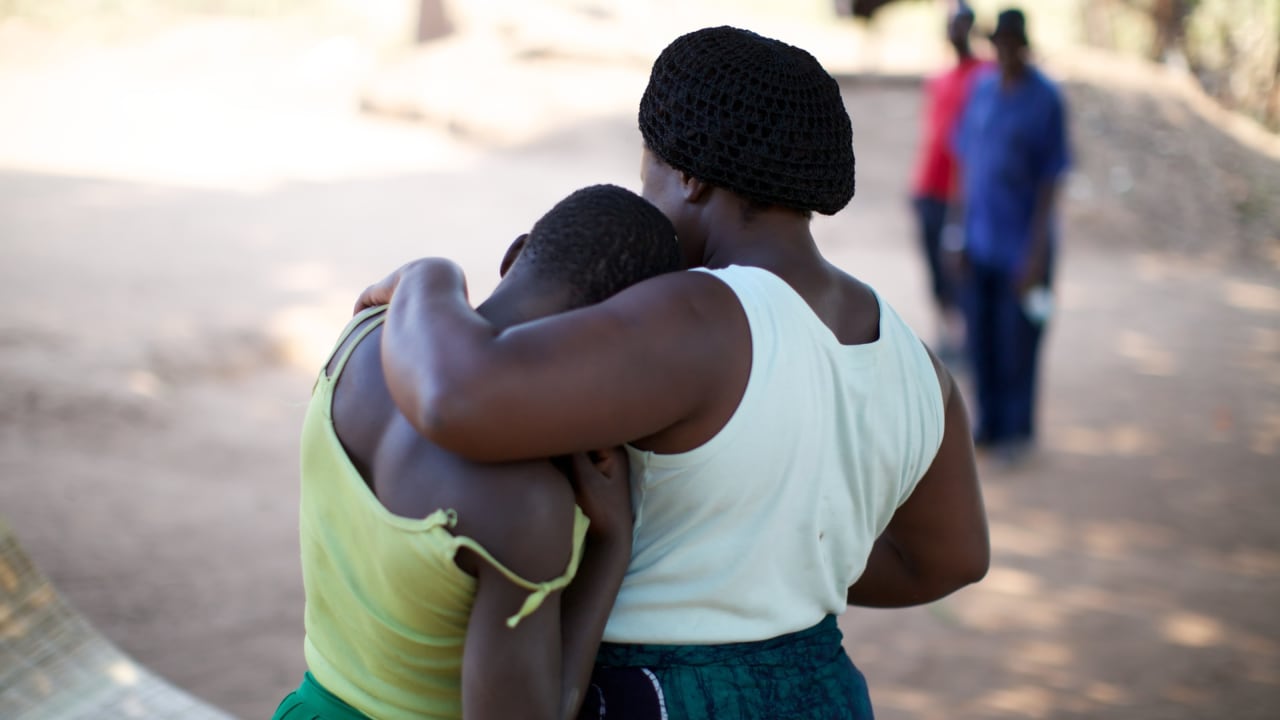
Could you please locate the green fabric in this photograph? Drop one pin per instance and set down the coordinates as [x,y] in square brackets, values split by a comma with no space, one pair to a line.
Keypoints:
[312,702]
[804,675]
[387,607]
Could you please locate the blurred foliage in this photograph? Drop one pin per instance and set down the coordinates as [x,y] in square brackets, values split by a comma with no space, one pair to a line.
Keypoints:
[1231,46]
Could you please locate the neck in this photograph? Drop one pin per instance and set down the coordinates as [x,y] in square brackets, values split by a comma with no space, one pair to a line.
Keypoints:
[1013,72]
[517,301]
[963,53]
[771,239]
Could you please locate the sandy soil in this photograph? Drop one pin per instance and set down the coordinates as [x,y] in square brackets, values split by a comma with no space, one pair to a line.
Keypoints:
[185,218]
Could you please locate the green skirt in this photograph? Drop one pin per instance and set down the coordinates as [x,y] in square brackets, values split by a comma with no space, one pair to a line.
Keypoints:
[312,702]
[804,675]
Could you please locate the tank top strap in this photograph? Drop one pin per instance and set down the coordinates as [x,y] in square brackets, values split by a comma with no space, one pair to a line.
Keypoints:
[538,591]
[353,328]
[770,304]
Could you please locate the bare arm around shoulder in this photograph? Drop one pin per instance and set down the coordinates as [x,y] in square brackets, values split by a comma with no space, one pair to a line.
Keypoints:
[634,365]
[540,668]
[937,541]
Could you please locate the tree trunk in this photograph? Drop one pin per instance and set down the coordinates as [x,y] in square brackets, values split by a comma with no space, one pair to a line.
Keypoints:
[433,22]
[1170,19]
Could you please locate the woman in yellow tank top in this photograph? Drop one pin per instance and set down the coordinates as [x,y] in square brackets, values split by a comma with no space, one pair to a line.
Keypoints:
[438,587]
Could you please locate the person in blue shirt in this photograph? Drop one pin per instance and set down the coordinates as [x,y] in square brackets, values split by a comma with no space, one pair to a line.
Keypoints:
[1012,148]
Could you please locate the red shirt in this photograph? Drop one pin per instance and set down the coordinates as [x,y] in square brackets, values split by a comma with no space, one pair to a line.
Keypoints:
[945,96]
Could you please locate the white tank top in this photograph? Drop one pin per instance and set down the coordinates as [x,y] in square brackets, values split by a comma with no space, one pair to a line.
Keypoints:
[761,530]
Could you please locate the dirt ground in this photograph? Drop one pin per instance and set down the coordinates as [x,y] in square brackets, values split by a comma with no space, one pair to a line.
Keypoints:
[186,217]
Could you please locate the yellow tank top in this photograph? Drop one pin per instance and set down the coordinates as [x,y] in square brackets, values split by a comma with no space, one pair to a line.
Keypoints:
[386,606]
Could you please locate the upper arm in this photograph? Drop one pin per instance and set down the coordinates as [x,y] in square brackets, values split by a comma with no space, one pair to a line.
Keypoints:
[1052,161]
[510,672]
[536,544]
[1055,155]
[943,521]
[960,129]
[639,363]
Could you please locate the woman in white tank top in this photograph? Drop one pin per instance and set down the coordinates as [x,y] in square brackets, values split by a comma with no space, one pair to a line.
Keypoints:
[794,447]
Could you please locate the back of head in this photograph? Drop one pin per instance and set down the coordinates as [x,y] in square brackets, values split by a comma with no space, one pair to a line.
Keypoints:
[753,115]
[600,240]
[960,24]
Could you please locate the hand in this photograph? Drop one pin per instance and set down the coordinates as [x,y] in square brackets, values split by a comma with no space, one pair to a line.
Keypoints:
[954,258]
[602,488]
[1035,270]
[1033,274]
[381,292]
[955,264]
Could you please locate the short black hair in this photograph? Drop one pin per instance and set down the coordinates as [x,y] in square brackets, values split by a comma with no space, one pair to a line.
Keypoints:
[600,240]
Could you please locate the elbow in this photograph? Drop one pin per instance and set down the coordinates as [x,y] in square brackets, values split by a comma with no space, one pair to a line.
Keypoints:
[430,414]
[440,408]
[976,567]
[457,418]
[967,569]
[978,559]
[944,584]
[434,408]
[960,570]
[441,414]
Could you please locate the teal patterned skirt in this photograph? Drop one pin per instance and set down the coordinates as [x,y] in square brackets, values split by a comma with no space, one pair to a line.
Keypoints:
[801,676]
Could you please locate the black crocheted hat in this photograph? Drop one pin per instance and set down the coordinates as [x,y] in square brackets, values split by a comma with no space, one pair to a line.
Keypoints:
[753,115]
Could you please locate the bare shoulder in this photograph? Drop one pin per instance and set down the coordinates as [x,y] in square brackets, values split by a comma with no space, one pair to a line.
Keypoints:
[851,308]
[522,513]
[853,289]
[860,292]
[362,407]
[945,382]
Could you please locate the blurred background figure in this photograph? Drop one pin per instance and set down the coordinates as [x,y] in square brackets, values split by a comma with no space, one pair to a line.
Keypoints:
[1012,149]
[935,185]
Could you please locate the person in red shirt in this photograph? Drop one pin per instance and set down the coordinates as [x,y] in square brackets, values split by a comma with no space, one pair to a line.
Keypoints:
[936,175]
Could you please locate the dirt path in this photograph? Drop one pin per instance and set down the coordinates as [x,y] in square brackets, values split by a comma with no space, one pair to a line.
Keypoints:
[180,239]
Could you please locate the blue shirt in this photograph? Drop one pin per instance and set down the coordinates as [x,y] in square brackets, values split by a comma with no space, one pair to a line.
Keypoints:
[1010,142]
